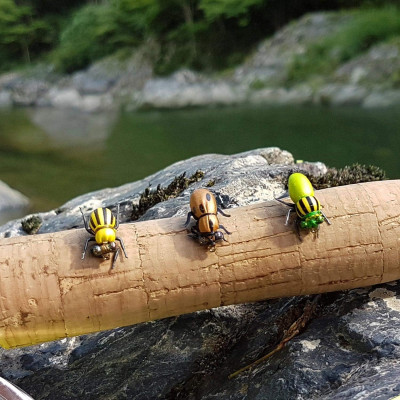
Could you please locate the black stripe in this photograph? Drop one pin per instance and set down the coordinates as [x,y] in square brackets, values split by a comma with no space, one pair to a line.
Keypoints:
[300,206]
[203,215]
[313,207]
[97,217]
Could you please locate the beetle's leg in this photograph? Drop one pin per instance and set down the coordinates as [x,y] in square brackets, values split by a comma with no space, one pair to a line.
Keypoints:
[222,227]
[284,202]
[195,229]
[117,222]
[326,218]
[115,258]
[288,216]
[85,222]
[223,237]
[122,245]
[91,239]
[221,212]
[190,214]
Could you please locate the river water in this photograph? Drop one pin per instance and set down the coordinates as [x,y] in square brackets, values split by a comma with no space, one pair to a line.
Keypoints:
[52,156]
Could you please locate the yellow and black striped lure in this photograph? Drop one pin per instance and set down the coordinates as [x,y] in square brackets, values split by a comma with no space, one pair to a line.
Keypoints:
[307,207]
[103,226]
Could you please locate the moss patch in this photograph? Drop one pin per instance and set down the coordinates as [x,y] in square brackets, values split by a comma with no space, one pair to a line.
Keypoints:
[149,197]
[32,224]
[348,175]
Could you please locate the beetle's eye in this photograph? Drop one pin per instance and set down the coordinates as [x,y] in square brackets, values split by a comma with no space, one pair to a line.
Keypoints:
[202,209]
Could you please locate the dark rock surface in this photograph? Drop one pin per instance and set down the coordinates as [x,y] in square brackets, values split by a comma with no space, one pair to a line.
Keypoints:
[349,348]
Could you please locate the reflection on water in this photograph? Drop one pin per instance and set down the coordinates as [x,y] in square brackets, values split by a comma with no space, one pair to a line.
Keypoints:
[70,128]
[53,155]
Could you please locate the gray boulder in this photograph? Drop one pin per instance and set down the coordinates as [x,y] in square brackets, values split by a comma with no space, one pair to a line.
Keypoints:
[12,203]
[349,348]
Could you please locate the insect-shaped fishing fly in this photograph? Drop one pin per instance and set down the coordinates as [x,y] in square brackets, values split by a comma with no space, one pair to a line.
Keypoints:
[204,210]
[103,226]
[307,207]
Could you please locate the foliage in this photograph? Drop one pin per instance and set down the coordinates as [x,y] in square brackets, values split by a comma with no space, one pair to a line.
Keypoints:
[199,34]
[87,38]
[20,31]
[214,9]
[366,28]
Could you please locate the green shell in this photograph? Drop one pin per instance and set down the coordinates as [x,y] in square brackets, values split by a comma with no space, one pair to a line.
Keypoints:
[299,187]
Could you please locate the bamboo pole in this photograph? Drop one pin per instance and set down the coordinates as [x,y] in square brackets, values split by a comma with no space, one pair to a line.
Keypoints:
[47,292]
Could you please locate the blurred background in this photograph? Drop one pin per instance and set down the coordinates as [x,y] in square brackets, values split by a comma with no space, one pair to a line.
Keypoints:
[96,94]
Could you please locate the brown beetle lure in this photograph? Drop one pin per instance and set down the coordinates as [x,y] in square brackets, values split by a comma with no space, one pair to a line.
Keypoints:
[204,210]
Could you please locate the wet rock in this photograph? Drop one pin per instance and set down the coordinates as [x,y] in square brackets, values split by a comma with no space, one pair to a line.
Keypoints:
[12,203]
[5,98]
[247,177]
[341,95]
[349,348]
[377,66]
[382,99]
[129,82]
[187,89]
[282,96]
[269,63]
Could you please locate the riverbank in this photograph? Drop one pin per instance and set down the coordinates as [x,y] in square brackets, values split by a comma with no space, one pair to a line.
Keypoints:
[368,80]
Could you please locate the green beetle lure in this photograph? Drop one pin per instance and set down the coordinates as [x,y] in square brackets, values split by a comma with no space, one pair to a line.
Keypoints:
[307,207]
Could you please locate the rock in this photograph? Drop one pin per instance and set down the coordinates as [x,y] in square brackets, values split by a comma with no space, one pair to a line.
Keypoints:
[5,98]
[348,349]
[270,61]
[376,67]
[27,91]
[264,78]
[188,89]
[340,95]
[382,99]
[240,175]
[301,95]
[12,203]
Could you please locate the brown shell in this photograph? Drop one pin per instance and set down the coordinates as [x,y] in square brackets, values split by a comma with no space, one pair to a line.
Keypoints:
[202,201]
[208,224]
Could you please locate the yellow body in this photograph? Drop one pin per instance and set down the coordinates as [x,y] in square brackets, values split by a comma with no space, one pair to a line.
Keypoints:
[105,235]
[307,205]
[299,187]
[102,223]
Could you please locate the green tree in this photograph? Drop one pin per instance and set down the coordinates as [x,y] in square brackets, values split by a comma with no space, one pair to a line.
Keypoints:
[19,30]
[240,9]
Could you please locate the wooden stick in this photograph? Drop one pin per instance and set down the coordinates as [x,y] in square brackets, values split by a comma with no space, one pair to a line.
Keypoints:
[47,292]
